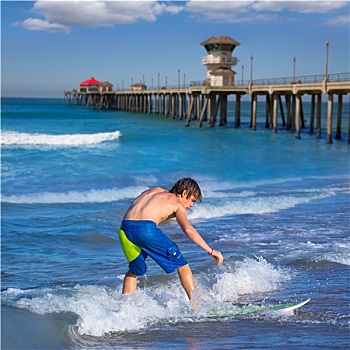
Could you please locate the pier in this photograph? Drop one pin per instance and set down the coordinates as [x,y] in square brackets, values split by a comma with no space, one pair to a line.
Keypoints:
[201,103]
[207,100]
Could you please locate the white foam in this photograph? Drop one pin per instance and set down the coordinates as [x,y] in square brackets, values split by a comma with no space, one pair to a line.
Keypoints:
[333,251]
[253,205]
[20,139]
[92,196]
[245,202]
[250,276]
[102,310]
[339,258]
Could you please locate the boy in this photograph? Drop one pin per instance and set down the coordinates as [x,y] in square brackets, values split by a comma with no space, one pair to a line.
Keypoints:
[140,236]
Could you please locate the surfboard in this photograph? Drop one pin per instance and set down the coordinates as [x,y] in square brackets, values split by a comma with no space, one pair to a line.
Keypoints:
[280,309]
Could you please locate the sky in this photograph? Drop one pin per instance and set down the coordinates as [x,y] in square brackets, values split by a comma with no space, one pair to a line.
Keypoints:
[50,46]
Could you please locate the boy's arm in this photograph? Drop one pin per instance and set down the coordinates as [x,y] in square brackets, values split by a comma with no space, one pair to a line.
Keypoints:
[194,236]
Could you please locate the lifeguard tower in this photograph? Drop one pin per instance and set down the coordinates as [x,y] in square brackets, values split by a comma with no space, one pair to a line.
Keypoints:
[220,60]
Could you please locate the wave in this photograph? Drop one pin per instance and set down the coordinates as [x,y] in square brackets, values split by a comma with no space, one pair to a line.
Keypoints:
[327,252]
[339,257]
[209,184]
[250,276]
[218,204]
[19,139]
[103,310]
[254,205]
[92,196]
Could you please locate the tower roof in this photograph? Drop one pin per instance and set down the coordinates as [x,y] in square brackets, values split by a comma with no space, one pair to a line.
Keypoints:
[220,40]
[91,81]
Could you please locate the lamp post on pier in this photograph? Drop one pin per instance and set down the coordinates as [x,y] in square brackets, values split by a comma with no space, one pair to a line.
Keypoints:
[294,59]
[251,69]
[242,74]
[326,68]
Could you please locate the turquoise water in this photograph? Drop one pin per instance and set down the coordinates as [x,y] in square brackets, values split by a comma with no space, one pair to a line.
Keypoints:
[277,208]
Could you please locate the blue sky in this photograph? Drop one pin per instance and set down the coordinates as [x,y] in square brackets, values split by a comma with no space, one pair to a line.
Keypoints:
[51,46]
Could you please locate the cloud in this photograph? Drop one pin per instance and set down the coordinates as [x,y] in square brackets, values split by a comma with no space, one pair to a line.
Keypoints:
[300,6]
[226,11]
[34,24]
[259,11]
[339,21]
[63,15]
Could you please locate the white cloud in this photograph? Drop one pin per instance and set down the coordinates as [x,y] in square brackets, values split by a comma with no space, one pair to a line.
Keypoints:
[259,11]
[300,6]
[34,24]
[58,15]
[63,15]
[227,11]
[339,21]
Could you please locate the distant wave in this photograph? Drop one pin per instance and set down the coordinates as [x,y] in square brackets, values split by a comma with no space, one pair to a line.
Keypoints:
[13,138]
[210,185]
[254,205]
[91,196]
[334,252]
[245,202]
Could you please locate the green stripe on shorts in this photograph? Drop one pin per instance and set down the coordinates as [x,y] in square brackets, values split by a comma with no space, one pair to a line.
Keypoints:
[131,250]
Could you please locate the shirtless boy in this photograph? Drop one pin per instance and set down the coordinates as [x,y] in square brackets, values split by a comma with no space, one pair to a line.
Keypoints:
[140,236]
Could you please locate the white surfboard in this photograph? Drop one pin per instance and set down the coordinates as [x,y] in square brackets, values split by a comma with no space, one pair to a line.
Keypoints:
[291,308]
[249,309]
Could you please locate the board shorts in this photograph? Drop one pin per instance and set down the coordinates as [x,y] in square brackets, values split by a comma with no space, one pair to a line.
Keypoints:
[142,238]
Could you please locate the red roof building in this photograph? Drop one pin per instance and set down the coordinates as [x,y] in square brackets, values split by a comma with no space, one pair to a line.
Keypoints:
[89,85]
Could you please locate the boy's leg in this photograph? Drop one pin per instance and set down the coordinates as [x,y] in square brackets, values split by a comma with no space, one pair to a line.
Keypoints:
[130,281]
[186,279]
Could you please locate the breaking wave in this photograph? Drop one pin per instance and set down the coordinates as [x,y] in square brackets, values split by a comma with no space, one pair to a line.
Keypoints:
[102,310]
[92,196]
[20,139]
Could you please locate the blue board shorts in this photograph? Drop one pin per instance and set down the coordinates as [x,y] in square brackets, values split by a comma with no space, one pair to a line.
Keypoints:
[142,238]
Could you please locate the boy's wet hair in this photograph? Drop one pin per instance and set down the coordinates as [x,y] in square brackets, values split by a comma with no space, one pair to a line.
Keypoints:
[190,186]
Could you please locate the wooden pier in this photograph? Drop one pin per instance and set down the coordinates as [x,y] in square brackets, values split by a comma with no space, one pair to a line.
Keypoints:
[199,102]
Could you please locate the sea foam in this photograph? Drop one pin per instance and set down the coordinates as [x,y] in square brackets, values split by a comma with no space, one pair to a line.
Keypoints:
[102,310]
[253,205]
[249,276]
[20,139]
[91,196]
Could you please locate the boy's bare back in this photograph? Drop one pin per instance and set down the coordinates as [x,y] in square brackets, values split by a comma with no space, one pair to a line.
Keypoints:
[155,204]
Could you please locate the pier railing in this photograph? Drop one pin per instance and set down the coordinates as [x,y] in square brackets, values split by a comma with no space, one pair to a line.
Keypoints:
[306,79]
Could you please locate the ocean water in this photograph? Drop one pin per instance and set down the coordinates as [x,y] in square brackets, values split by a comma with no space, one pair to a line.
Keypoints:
[276,207]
